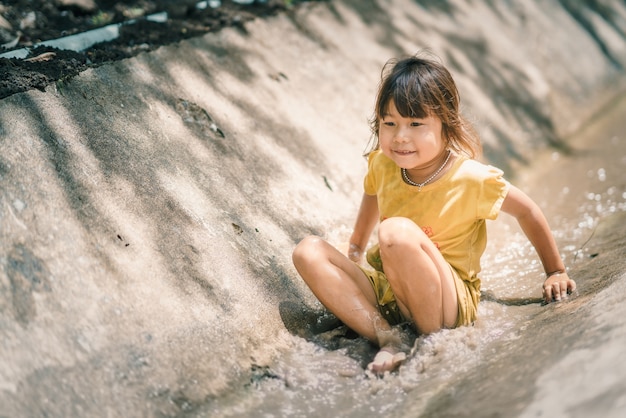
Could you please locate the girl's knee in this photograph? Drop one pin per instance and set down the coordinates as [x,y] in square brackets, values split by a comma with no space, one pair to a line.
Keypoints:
[306,249]
[397,231]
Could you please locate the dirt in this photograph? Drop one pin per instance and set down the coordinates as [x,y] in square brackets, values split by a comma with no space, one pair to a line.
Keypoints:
[25,23]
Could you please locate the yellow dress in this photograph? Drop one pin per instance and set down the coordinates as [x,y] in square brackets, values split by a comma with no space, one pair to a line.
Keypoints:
[451,211]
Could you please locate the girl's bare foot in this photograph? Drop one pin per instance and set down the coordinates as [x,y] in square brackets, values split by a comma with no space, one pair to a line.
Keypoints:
[386,360]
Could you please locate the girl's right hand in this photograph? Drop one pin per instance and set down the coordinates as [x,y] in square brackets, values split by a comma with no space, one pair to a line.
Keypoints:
[355,253]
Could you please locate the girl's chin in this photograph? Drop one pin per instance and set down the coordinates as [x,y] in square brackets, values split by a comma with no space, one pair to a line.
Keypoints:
[404,162]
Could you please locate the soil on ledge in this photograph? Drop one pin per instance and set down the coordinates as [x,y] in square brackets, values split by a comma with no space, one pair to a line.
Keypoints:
[25,23]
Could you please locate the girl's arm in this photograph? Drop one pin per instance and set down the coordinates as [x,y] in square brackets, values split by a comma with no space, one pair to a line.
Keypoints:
[365,222]
[535,226]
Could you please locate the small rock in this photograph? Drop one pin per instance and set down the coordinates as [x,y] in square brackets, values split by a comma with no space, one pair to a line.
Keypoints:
[19,205]
[88,6]
[46,56]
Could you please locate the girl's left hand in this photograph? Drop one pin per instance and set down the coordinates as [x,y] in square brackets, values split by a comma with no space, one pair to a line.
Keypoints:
[557,287]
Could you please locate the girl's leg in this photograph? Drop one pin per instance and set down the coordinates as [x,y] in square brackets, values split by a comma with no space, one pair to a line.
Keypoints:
[418,275]
[341,286]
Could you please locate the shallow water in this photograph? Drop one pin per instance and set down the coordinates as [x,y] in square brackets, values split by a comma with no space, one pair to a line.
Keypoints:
[324,376]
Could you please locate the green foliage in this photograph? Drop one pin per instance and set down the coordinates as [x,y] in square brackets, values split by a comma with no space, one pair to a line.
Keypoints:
[101,18]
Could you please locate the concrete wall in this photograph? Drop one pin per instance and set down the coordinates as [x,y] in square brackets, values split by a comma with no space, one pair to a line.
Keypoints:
[148,208]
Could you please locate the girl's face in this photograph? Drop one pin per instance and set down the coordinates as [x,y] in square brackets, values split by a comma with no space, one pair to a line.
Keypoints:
[412,143]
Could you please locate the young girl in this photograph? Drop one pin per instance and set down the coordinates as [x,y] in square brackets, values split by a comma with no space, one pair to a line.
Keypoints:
[432,199]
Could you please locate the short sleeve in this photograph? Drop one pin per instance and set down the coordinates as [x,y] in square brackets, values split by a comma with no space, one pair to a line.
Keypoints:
[369,183]
[493,192]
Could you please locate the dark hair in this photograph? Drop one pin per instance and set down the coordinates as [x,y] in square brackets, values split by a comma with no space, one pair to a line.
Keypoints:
[421,87]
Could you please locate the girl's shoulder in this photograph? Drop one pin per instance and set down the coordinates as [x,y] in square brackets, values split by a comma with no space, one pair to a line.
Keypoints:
[469,167]
[372,155]
[376,158]
[480,177]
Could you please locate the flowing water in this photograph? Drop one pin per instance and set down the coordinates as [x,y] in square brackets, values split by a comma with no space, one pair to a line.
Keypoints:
[323,376]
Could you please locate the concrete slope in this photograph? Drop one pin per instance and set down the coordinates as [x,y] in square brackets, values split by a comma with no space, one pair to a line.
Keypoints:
[148,208]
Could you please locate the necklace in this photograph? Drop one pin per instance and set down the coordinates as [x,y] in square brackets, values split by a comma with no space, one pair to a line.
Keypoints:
[419,186]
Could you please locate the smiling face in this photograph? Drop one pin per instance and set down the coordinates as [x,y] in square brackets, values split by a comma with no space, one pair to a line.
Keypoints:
[412,143]
[423,89]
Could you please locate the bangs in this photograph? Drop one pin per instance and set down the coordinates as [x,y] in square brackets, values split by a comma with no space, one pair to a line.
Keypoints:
[408,96]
